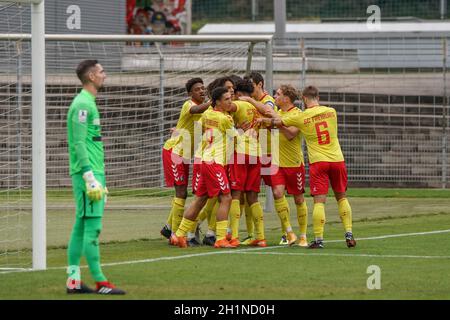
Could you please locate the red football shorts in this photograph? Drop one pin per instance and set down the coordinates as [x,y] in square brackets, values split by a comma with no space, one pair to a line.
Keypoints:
[321,174]
[267,170]
[245,173]
[176,172]
[213,180]
[196,174]
[292,178]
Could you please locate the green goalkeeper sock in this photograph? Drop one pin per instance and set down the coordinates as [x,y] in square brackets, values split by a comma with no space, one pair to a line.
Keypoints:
[93,227]
[75,248]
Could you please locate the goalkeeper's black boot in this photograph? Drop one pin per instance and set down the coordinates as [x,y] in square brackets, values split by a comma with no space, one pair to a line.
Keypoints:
[316,244]
[209,240]
[165,232]
[106,287]
[351,242]
[78,289]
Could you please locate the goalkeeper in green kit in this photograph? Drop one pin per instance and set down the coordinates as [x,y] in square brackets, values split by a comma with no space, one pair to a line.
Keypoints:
[87,170]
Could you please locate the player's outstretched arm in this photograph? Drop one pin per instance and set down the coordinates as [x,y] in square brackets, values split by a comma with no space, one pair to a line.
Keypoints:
[262,108]
[289,132]
[276,121]
[200,108]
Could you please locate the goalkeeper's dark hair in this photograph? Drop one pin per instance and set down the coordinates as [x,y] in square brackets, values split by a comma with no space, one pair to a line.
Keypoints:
[217,94]
[84,68]
[256,77]
[219,82]
[245,86]
[191,83]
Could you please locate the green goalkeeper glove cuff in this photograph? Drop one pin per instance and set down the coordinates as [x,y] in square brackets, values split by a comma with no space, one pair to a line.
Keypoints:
[94,189]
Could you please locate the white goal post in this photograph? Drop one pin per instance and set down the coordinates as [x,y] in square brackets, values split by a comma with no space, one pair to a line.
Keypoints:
[38,39]
[38,128]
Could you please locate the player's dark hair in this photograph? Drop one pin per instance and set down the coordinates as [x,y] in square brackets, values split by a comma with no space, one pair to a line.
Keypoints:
[289,91]
[310,92]
[234,78]
[217,94]
[191,83]
[245,86]
[83,69]
[219,82]
[256,77]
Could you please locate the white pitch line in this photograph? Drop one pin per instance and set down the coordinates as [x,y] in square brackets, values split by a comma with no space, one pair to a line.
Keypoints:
[149,260]
[401,235]
[234,251]
[348,255]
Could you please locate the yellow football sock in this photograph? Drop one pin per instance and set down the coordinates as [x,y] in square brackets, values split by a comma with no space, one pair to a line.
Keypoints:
[221,229]
[318,220]
[202,214]
[177,212]
[194,226]
[169,219]
[207,209]
[235,215]
[242,209]
[184,228]
[212,217]
[345,212]
[282,207]
[249,220]
[258,219]
[302,217]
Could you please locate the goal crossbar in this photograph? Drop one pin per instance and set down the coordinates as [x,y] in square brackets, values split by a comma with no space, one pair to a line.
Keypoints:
[150,38]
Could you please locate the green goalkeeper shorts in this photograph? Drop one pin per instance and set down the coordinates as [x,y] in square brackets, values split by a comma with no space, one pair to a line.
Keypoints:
[84,206]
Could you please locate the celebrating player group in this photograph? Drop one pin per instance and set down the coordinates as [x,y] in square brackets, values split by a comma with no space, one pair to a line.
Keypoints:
[238,136]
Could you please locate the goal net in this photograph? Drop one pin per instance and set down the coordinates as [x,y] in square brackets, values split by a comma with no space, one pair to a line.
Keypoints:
[15,140]
[140,102]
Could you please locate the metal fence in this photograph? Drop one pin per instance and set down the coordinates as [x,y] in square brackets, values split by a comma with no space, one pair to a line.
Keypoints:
[262,10]
[391,96]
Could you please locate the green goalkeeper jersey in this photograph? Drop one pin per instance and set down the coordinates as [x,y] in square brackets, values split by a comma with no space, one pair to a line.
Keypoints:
[84,135]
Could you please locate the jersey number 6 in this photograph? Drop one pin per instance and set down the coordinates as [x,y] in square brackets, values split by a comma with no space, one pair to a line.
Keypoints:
[323,136]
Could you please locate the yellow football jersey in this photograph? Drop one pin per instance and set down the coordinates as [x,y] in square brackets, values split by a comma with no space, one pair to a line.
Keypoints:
[246,142]
[319,128]
[265,147]
[218,135]
[199,144]
[268,100]
[290,151]
[182,141]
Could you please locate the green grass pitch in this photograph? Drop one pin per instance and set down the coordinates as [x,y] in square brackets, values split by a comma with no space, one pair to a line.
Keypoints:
[403,232]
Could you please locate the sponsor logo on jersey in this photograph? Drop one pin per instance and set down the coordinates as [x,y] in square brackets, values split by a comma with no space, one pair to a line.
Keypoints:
[82,116]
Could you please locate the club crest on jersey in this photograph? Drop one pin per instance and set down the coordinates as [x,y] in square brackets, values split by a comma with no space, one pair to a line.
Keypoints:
[96,121]
[82,116]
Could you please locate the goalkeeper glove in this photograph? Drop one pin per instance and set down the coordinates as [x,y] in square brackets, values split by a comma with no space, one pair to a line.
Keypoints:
[94,189]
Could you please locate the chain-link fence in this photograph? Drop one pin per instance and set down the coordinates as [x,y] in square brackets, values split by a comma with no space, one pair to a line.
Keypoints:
[391,96]
[263,10]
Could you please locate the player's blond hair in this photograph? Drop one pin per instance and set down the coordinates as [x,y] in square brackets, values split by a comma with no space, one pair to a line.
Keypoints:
[289,91]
